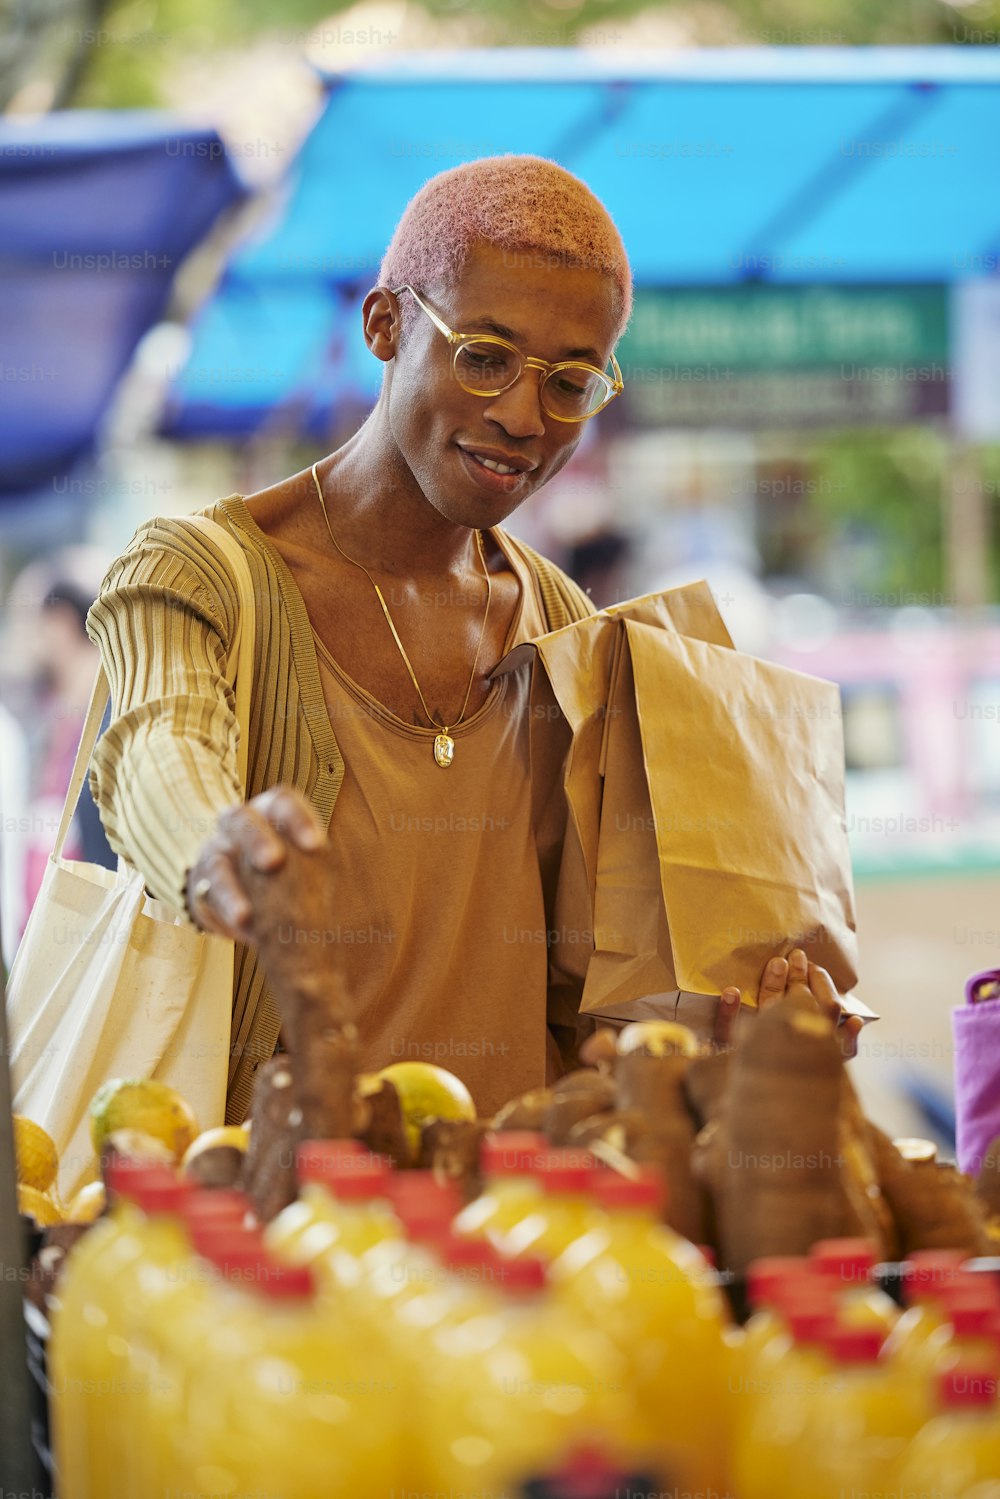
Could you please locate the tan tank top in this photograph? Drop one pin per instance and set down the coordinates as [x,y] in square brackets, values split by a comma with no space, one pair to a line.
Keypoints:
[438,911]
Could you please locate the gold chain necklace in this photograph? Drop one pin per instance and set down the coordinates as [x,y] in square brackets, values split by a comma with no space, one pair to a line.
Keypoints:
[444,744]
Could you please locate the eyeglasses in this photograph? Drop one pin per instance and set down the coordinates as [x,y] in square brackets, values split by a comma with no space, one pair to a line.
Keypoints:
[486,366]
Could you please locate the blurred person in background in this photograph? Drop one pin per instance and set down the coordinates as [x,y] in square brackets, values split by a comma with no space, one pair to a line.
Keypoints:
[14,770]
[57,664]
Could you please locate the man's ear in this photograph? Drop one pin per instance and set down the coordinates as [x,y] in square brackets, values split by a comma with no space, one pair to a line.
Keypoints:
[382,323]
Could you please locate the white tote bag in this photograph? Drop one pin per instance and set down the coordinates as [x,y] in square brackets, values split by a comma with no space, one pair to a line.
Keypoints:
[107,981]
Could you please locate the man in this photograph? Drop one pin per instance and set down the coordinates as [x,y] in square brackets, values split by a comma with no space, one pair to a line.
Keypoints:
[387,596]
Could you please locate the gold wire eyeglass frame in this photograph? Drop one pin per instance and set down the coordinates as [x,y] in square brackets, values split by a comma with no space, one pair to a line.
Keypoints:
[459,341]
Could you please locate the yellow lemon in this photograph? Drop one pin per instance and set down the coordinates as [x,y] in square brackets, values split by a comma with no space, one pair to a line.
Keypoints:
[37,1161]
[149,1107]
[88,1204]
[427,1092]
[38,1205]
[235,1135]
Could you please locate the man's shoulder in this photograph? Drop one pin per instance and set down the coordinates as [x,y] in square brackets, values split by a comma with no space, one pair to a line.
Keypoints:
[564,600]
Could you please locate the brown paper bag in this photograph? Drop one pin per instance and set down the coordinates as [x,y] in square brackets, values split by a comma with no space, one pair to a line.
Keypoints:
[723,787]
[702,827]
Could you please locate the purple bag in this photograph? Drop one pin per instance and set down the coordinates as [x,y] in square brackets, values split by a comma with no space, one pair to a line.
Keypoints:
[976,1031]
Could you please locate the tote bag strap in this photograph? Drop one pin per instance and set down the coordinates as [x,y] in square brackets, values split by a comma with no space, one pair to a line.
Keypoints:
[243,643]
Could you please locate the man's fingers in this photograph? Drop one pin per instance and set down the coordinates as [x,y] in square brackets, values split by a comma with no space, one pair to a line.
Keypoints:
[849,1033]
[252,836]
[217,900]
[798,966]
[287,810]
[773,982]
[824,991]
[726,1016]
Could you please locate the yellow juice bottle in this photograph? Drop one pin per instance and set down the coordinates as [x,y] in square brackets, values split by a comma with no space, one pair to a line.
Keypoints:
[343,1199]
[523,1387]
[79,1362]
[564,1210]
[283,1417]
[152,1276]
[859,1427]
[849,1264]
[959,1448]
[925,1276]
[510,1189]
[794,1371]
[658,1299]
[182,1311]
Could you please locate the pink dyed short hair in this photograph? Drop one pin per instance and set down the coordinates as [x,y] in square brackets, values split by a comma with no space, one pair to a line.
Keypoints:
[522,204]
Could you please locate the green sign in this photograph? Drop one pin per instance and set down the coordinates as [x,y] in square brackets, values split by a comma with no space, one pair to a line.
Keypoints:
[753,356]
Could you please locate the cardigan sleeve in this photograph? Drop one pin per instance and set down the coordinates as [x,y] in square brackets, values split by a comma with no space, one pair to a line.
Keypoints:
[167,764]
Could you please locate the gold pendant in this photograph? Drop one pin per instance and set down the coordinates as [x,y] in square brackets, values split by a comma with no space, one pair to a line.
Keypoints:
[444,750]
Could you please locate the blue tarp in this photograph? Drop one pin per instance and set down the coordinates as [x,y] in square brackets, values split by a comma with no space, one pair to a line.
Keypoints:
[806,165]
[97,211]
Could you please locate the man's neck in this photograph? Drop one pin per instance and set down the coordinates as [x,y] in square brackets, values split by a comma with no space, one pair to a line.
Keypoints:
[381,517]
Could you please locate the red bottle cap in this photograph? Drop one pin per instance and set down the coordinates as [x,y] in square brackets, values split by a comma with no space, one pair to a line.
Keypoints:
[315,1159]
[968,1388]
[512,1152]
[646,1191]
[855,1345]
[218,1204]
[815,1325]
[523,1277]
[157,1197]
[850,1260]
[566,1171]
[123,1175]
[767,1277]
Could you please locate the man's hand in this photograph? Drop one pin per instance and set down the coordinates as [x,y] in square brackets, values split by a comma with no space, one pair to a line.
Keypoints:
[789,975]
[260,832]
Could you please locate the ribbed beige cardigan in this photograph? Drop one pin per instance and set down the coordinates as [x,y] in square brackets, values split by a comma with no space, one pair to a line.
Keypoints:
[166,767]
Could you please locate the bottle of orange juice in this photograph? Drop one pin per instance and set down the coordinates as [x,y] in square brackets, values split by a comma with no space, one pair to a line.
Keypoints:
[926,1274]
[286,1420]
[508,1161]
[959,1448]
[849,1264]
[342,1200]
[860,1425]
[80,1363]
[566,1178]
[522,1386]
[793,1373]
[658,1299]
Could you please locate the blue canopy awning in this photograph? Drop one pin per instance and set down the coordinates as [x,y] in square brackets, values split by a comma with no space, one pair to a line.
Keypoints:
[97,211]
[721,167]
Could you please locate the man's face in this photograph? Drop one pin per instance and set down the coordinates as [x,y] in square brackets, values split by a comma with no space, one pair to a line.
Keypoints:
[442,431]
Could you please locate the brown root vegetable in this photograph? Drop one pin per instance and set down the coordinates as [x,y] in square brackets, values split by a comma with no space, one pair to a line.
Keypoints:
[384,1129]
[705,1084]
[988,1181]
[219,1166]
[775,1160]
[934,1206]
[861,1175]
[569,1107]
[450,1148]
[525,1112]
[650,1071]
[269,1163]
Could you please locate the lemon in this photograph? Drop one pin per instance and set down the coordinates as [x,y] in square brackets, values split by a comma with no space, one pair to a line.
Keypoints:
[37,1161]
[427,1092]
[235,1135]
[38,1205]
[149,1107]
[88,1204]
